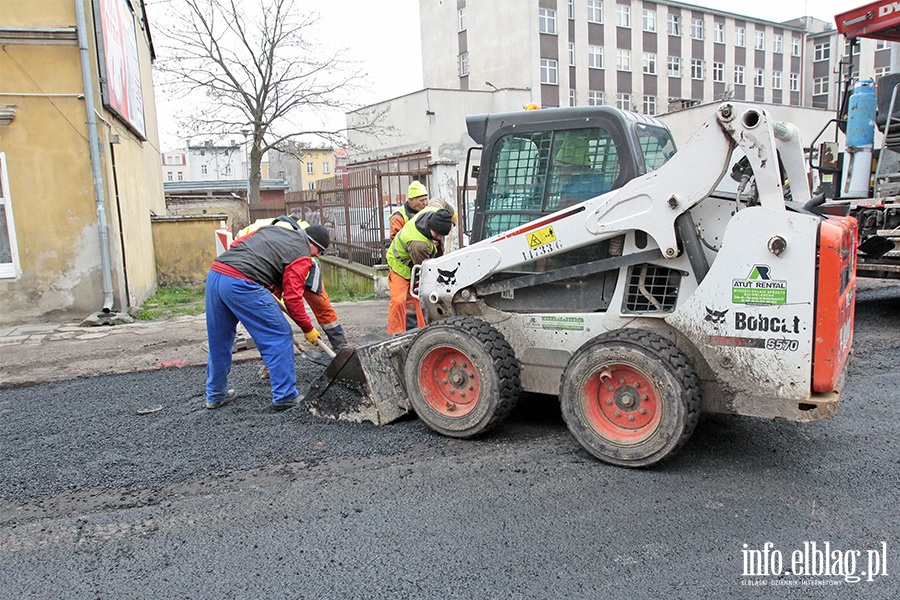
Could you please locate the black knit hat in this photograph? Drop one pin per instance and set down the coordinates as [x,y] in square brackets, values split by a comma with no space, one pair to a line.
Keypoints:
[318,235]
[441,221]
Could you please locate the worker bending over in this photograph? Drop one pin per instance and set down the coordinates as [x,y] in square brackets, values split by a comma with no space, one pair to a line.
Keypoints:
[420,239]
[243,286]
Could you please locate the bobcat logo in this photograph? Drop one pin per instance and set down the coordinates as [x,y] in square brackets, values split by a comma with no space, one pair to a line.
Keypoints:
[447,277]
[715,316]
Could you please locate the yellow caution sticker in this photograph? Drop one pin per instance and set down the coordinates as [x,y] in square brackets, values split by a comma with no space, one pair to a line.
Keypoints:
[541,237]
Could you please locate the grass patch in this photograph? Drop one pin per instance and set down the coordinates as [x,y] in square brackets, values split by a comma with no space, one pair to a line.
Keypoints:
[345,294]
[173,301]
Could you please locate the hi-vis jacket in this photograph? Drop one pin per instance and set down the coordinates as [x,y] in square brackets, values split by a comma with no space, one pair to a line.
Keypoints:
[399,256]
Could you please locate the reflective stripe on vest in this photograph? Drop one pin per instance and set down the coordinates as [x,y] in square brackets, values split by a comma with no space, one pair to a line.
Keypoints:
[398,256]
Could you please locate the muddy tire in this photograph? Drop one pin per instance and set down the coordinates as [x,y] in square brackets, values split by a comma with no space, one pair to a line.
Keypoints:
[462,377]
[630,397]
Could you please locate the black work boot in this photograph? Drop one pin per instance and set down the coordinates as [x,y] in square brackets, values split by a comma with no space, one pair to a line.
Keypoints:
[336,337]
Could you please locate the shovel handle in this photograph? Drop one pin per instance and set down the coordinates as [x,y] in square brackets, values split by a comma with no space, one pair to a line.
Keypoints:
[324,348]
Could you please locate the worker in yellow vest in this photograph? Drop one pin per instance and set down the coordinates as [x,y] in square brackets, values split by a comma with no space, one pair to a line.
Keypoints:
[420,239]
[315,294]
[417,198]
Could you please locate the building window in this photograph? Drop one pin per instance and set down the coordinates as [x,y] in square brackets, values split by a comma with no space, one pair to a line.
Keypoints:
[649,65]
[571,97]
[776,80]
[595,98]
[572,12]
[623,101]
[719,72]
[9,249]
[623,60]
[820,86]
[623,15]
[697,29]
[739,40]
[696,68]
[795,46]
[170,176]
[760,40]
[595,57]
[204,170]
[180,175]
[777,44]
[795,82]
[759,78]
[311,185]
[719,33]
[881,72]
[326,167]
[310,168]
[549,71]
[649,20]
[463,64]
[882,44]
[228,169]
[595,11]
[571,54]
[649,105]
[547,20]
[822,51]
[674,25]
[673,66]
[851,47]
[739,74]
[462,19]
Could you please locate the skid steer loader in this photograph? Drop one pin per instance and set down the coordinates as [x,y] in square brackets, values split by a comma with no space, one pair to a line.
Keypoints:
[608,271]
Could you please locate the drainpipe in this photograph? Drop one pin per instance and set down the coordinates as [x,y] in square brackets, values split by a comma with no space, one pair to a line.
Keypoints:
[94,146]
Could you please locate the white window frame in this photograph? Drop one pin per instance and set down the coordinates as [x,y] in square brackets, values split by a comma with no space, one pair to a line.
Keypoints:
[595,11]
[649,63]
[777,44]
[623,60]
[649,20]
[760,37]
[463,60]
[11,269]
[822,51]
[204,170]
[571,96]
[740,37]
[571,13]
[673,66]
[623,16]
[879,71]
[463,20]
[547,21]
[697,68]
[882,45]
[310,168]
[595,57]
[549,71]
[571,54]
[595,98]
[795,46]
[696,29]
[795,82]
[170,176]
[759,78]
[326,166]
[739,75]
[718,72]
[623,101]
[180,175]
[673,25]
[719,33]
[820,86]
[776,80]
[649,105]
[228,168]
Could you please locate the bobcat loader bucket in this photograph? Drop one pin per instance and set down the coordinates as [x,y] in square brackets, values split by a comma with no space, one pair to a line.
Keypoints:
[369,384]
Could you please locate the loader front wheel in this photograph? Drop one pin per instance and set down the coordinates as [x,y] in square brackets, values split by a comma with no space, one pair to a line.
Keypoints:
[462,377]
[630,397]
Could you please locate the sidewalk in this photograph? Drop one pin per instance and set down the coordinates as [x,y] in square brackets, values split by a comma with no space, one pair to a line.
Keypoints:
[38,353]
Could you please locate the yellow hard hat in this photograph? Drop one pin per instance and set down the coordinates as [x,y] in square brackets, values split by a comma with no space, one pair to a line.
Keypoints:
[532,106]
[416,189]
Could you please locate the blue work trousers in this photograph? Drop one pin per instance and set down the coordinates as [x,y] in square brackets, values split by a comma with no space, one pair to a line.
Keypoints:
[229,300]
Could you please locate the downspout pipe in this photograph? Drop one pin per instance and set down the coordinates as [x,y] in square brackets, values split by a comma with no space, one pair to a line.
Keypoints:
[94,147]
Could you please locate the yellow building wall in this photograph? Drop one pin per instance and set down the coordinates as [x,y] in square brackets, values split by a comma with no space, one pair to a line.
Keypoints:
[186,247]
[317,157]
[51,182]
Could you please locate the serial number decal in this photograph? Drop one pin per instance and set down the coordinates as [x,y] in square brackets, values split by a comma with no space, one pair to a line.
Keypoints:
[541,237]
[543,250]
[556,323]
[782,344]
[763,343]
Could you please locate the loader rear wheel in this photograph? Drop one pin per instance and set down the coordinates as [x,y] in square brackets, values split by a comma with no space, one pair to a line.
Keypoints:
[462,377]
[630,397]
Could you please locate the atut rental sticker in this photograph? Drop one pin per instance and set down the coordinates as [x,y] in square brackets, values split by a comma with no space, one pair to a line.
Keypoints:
[540,242]
[558,323]
[759,288]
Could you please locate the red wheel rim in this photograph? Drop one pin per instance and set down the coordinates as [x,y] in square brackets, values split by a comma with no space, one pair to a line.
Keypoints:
[450,382]
[622,404]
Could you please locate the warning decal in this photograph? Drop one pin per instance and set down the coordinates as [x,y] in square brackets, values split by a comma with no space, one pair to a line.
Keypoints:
[541,237]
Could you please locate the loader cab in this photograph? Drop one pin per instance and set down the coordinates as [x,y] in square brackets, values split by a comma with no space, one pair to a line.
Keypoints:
[537,162]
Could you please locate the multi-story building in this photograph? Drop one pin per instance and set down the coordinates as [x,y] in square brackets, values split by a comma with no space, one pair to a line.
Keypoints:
[650,57]
[208,162]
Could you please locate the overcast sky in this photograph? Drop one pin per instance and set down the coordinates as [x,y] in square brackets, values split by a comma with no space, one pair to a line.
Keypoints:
[383,36]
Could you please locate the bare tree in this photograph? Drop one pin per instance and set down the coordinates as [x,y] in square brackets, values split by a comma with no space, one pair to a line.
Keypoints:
[260,72]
